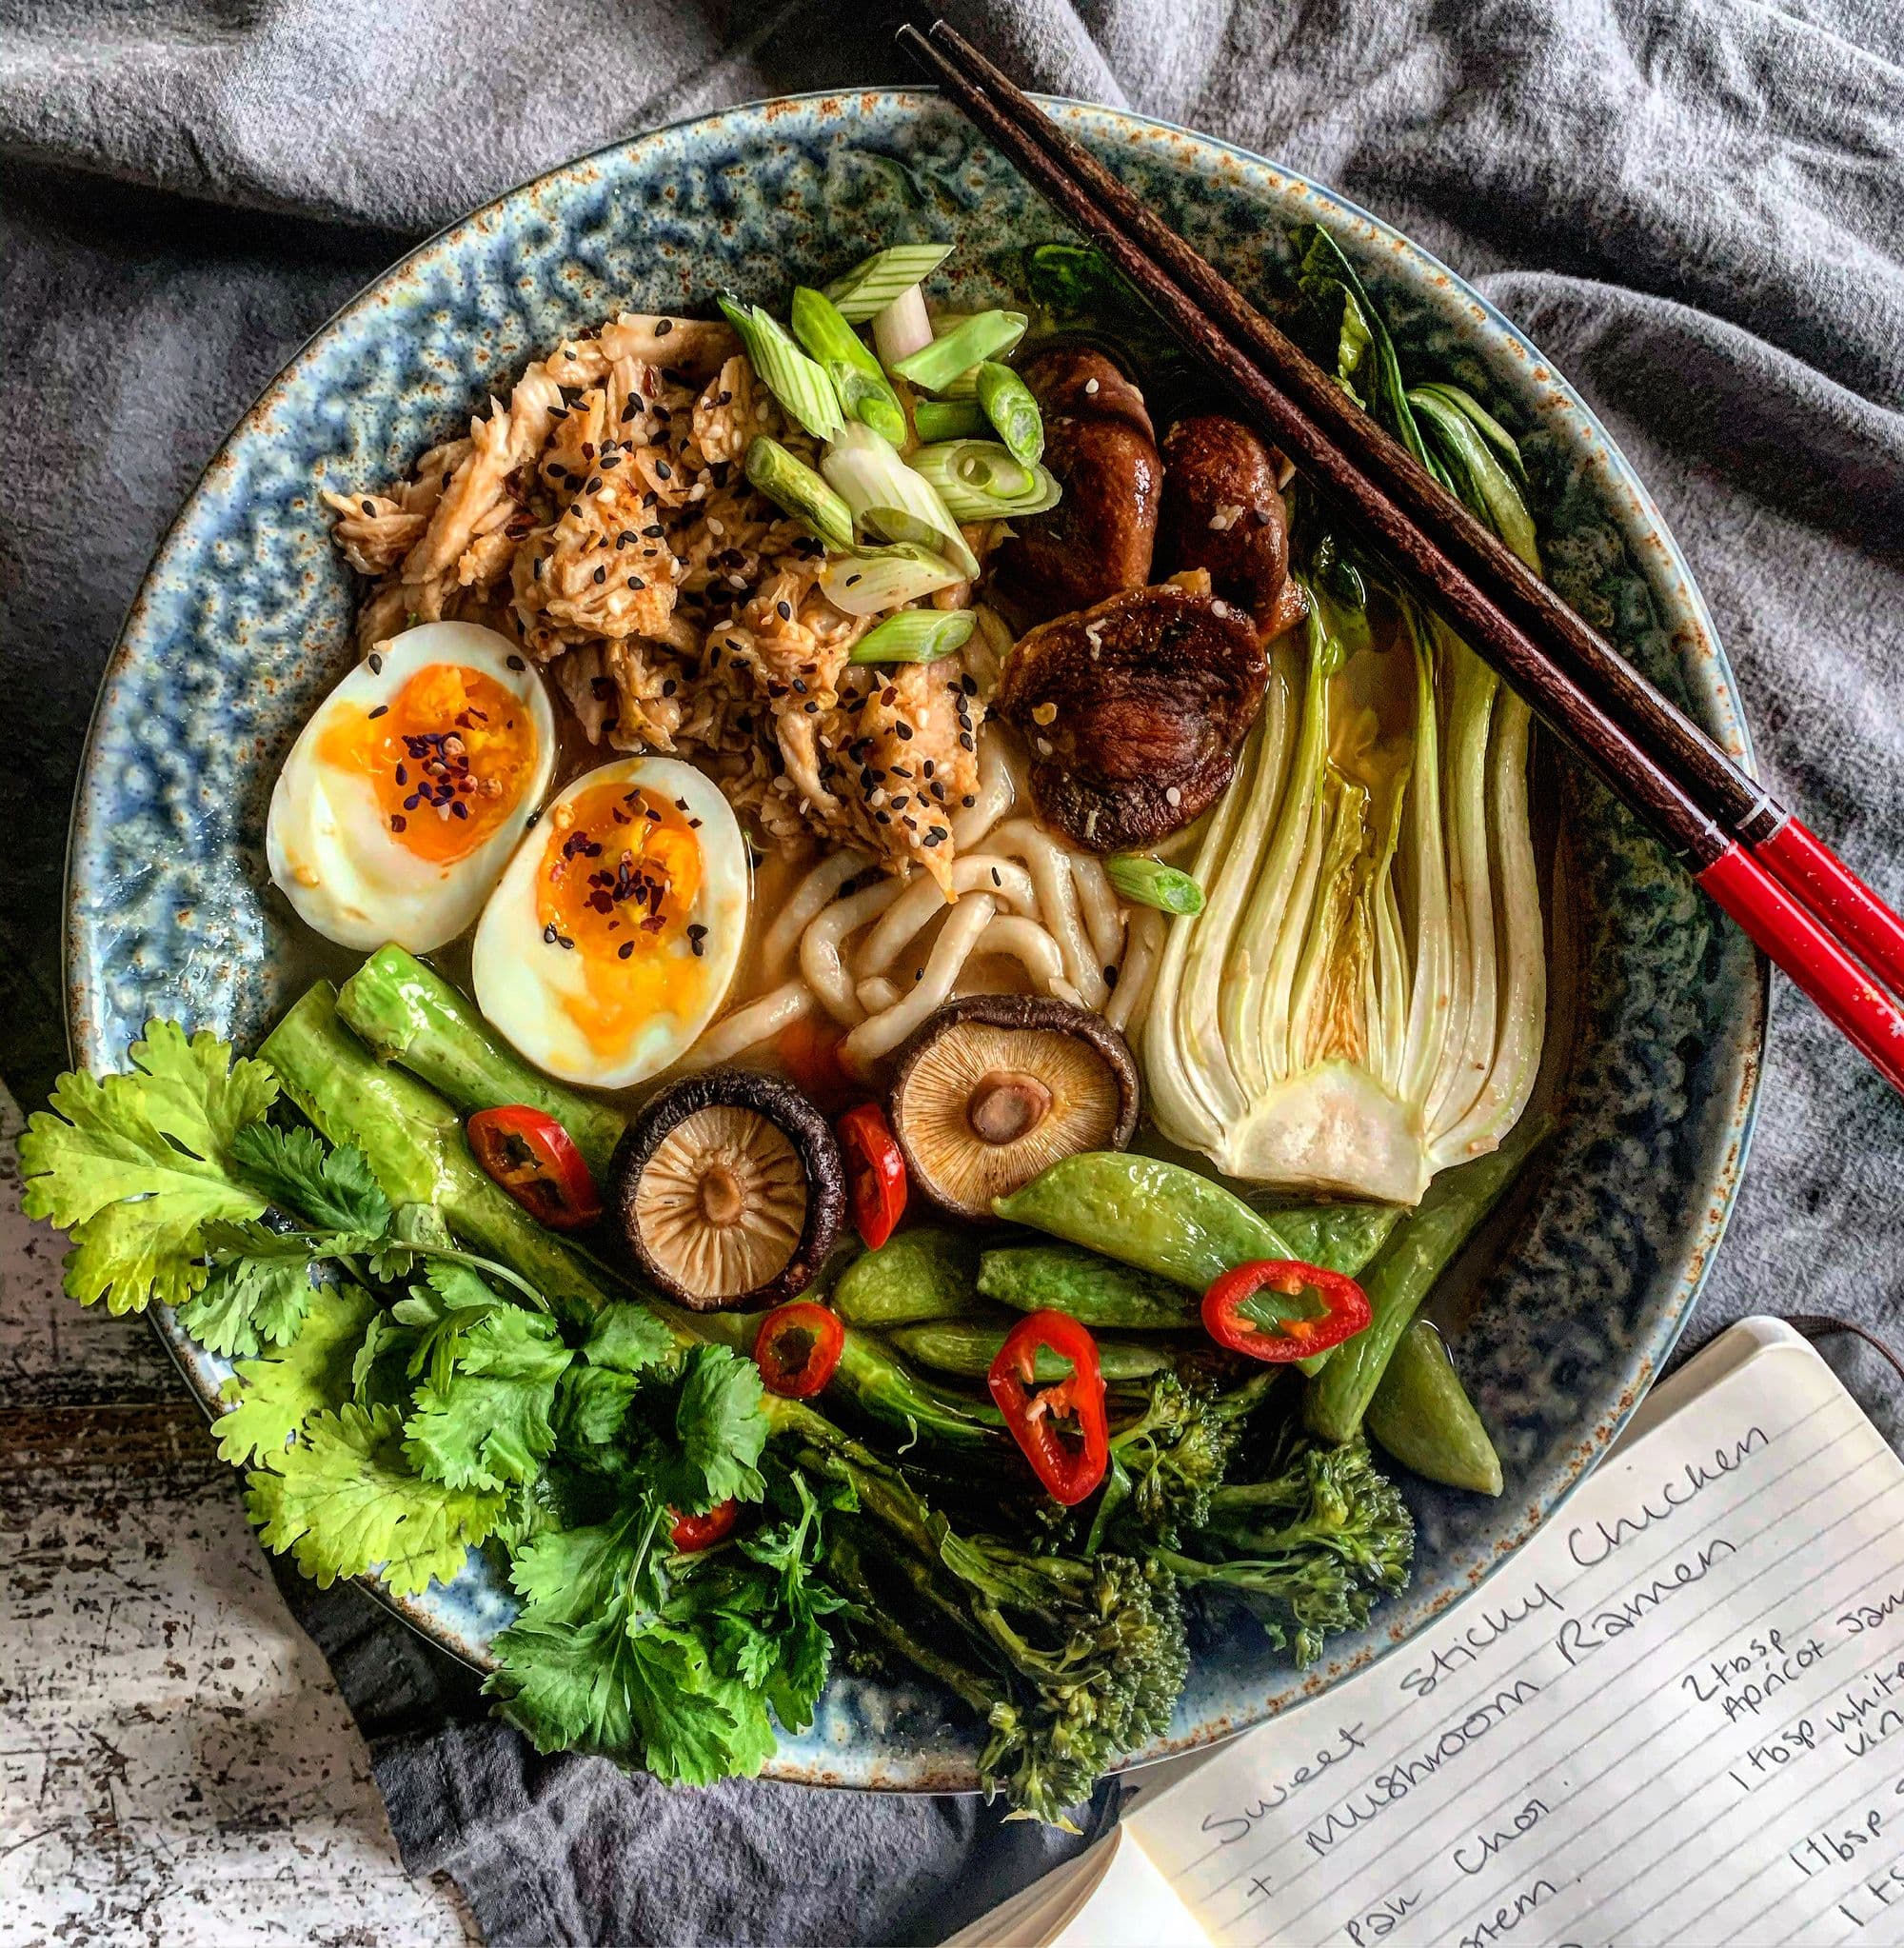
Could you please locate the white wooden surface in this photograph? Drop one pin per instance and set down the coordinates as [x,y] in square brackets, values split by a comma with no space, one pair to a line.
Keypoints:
[176,1766]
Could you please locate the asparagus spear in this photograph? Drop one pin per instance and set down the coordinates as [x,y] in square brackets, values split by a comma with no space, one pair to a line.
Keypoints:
[408,1013]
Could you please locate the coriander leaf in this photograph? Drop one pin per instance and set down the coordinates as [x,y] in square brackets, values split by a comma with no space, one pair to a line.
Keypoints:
[378,1376]
[567,1576]
[722,1431]
[486,1423]
[134,1166]
[330,1189]
[628,1339]
[343,1502]
[593,1403]
[459,1287]
[259,1290]
[626,1344]
[650,1692]
[269,1400]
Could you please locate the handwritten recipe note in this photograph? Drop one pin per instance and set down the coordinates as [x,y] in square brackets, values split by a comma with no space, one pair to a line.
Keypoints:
[1677,1716]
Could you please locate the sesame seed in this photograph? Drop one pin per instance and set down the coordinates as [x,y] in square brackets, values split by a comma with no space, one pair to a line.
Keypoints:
[1173,795]
[664,327]
[376,664]
[623,951]
[516,663]
[601,576]
[1091,387]
[369,507]
[663,470]
[380,710]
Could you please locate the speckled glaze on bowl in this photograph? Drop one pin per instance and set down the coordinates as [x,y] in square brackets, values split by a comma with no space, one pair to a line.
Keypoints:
[244,621]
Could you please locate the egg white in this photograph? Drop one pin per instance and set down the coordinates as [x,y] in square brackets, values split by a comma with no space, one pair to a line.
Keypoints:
[521,979]
[325,842]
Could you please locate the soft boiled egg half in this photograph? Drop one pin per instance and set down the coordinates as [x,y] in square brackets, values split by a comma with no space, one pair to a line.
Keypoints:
[409,789]
[617,926]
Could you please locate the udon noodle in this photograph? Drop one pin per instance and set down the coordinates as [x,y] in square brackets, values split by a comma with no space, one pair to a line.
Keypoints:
[880,958]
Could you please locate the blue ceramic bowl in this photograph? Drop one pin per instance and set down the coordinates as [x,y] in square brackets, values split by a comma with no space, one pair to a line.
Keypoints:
[244,623]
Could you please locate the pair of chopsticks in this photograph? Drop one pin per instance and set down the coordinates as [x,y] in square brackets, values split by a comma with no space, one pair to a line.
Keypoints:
[1795,900]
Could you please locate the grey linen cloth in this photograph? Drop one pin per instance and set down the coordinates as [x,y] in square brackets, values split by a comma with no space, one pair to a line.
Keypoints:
[1695,208]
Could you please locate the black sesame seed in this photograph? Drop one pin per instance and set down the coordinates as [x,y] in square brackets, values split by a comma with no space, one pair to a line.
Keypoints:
[600,575]
[904,732]
[623,951]
[382,710]
[594,482]
[516,663]
[369,507]
[663,471]
[663,327]
[636,582]
[376,664]
[1110,977]
[785,609]
[460,809]
[968,800]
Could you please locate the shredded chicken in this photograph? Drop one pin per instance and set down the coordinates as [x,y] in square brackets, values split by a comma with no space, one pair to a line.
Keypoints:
[601,517]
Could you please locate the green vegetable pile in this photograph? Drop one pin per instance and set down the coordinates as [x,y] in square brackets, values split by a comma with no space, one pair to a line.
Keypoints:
[421,1370]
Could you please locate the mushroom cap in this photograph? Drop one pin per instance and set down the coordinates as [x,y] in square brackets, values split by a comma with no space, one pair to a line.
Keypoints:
[730,1190]
[994,1089]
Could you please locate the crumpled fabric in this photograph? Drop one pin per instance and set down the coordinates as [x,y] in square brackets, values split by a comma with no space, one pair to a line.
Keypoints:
[1695,208]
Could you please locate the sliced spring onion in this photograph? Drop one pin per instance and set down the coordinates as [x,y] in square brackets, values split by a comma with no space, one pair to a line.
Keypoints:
[949,419]
[1150,882]
[865,393]
[889,499]
[875,282]
[787,371]
[915,635]
[983,335]
[791,484]
[979,481]
[870,581]
[1008,403]
[905,327]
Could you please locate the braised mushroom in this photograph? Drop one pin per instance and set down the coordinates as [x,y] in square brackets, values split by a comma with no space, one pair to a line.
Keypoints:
[730,1190]
[1133,712]
[1223,512]
[994,1089]
[1099,442]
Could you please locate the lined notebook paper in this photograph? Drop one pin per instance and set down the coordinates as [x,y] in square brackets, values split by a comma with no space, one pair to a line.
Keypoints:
[1677,1715]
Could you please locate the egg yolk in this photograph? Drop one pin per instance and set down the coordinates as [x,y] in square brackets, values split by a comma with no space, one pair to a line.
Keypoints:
[621,873]
[447,757]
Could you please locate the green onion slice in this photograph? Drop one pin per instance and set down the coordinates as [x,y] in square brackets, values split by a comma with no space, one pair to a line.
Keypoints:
[870,580]
[864,392]
[949,419]
[1150,882]
[875,282]
[800,384]
[982,336]
[915,635]
[1008,403]
[978,480]
[793,486]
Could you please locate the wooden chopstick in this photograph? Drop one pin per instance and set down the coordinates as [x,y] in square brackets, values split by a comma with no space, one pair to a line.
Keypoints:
[1732,800]
[1495,604]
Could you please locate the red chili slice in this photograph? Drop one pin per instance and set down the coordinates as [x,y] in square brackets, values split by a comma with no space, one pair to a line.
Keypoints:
[694,1532]
[797,1349]
[808,1049]
[535,1160]
[1061,1428]
[875,1173]
[1280,1309]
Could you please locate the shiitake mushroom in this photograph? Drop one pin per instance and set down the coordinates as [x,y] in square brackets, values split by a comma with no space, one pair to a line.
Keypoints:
[730,1190]
[1224,513]
[992,1090]
[1133,712]
[1099,442]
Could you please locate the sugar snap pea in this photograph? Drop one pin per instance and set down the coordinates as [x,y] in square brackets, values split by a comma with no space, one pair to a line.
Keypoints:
[967,1347]
[1094,1292]
[1422,1416]
[1401,1277]
[922,1273]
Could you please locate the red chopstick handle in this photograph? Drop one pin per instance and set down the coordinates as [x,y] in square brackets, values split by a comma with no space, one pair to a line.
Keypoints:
[1787,934]
[1803,863]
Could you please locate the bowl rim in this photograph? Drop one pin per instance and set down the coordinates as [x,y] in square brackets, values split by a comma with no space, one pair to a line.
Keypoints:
[1700,1244]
